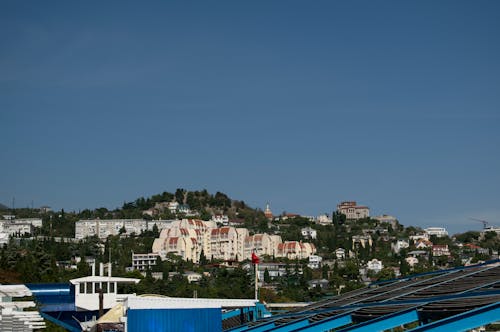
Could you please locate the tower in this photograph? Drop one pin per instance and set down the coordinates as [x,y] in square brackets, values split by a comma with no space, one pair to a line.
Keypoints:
[268,213]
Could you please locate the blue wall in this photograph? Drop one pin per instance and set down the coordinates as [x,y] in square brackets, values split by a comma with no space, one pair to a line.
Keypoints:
[178,320]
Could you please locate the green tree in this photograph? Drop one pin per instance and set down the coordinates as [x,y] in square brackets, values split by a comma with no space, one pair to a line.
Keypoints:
[267,277]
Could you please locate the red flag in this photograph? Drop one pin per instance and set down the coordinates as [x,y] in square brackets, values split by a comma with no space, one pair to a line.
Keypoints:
[255,258]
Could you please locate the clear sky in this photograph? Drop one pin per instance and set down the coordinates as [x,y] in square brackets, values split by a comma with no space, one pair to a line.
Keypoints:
[394,104]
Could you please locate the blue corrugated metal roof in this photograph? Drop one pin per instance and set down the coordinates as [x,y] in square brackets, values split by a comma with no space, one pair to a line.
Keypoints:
[189,320]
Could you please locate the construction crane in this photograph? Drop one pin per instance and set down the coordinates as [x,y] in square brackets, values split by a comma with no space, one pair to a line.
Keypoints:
[484,222]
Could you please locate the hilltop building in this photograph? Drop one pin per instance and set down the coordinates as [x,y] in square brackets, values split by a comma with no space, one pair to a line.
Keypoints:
[352,211]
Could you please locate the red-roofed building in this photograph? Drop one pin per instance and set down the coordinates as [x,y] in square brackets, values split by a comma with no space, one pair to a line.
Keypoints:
[295,250]
[261,244]
[440,250]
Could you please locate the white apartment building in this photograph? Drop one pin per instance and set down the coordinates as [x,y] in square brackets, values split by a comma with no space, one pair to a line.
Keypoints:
[353,211]
[143,262]
[223,244]
[102,228]
[437,231]
[295,250]
[184,242]
[35,222]
[187,238]
[261,244]
[12,226]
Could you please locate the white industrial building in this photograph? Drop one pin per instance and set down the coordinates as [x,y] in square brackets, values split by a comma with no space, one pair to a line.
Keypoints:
[12,316]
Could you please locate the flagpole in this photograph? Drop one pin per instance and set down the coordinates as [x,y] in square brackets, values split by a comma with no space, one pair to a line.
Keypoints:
[256,280]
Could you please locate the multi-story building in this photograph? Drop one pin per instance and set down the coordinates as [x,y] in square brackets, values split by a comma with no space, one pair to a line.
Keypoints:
[102,228]
[437,231]
[295,250]
[181,241]
[315,262]
[13,226]
[440,250]
[261,244]
[224,243]
[143,262]
[353,211]
[188,238]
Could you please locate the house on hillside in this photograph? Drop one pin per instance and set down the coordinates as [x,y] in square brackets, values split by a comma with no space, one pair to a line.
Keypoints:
[340,253]
[440,250]
[400,244]
[423,244]
[314,262]
[375,265]
[309,233]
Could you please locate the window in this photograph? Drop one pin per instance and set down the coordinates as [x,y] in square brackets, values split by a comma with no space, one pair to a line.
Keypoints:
[111,287]
[104,287]
[89,288]
[82,288]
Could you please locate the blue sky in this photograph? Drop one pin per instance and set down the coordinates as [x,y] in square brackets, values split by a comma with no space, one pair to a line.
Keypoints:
[303,104]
